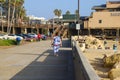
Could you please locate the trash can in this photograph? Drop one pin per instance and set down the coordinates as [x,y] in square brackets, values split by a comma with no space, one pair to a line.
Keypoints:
[18,40]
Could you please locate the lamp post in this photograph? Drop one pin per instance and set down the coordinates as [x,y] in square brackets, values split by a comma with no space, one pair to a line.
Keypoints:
[78,24]
[78,10]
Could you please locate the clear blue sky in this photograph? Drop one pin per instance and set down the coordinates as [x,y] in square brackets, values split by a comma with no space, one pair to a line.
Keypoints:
[45,8]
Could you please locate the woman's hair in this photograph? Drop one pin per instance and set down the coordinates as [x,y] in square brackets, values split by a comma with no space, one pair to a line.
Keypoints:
[56,34]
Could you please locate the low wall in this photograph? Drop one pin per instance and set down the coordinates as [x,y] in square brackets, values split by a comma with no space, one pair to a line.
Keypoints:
[83,69]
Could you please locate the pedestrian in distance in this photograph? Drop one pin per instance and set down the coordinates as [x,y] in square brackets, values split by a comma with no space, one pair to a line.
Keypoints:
[38,37]
[56,43]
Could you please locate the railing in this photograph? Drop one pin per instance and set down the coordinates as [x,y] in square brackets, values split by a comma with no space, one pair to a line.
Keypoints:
[65,33]
[83,69]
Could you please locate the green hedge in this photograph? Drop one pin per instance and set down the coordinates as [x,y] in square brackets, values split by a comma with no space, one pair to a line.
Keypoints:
[7,42]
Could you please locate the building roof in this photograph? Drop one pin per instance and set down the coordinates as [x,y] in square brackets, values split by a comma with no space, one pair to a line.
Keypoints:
[84,17]
[69,17]
[103,6]
[114,1]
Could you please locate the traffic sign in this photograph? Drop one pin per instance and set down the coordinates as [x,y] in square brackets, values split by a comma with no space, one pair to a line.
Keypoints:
[78,26]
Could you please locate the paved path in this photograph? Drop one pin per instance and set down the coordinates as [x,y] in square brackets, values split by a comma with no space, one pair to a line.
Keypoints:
[35,61]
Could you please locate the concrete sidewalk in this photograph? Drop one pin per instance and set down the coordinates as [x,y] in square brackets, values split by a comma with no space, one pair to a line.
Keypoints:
[35,61]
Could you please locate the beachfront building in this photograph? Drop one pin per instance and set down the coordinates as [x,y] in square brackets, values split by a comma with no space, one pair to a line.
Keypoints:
[105,20]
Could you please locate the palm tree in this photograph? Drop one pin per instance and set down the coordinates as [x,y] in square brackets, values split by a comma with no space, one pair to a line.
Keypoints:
[20,11]
[8,22]
[15,4]
[57,12]
[1,2]
[68,12]
[21,14]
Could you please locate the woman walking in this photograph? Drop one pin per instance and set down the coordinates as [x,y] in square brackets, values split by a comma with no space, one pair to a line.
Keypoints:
[56,42]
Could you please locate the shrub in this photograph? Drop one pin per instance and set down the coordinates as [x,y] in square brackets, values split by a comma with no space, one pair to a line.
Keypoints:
[7,42]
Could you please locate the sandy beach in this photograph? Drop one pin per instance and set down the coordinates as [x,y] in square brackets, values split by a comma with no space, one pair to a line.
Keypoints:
[95,57]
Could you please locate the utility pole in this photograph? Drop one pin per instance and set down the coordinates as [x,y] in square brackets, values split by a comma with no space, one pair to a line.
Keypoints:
[78,10]
[78,24]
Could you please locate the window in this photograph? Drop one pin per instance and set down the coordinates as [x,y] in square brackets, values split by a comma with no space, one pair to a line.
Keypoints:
[100,21]
[111,10]
[117,9]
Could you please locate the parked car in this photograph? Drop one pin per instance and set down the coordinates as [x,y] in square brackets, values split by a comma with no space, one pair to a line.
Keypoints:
[29,38]
[13,36]
[43,37]
[3,36]
[32,35]
[22,35]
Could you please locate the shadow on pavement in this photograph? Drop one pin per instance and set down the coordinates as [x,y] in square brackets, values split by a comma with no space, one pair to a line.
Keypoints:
[49,67]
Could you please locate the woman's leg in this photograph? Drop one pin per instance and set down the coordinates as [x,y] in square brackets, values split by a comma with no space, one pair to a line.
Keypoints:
[56,50]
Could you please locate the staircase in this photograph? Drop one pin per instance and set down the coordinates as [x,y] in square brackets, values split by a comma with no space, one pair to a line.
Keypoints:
[57,30]
[62,31]
[65,33]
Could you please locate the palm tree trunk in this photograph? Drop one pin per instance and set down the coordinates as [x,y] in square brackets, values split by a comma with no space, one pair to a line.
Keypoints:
[1,18]
[8,16]
[13,29]
[13,13]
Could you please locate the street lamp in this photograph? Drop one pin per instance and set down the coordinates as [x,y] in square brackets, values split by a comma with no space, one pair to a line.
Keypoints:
[78,10]
[78,24]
